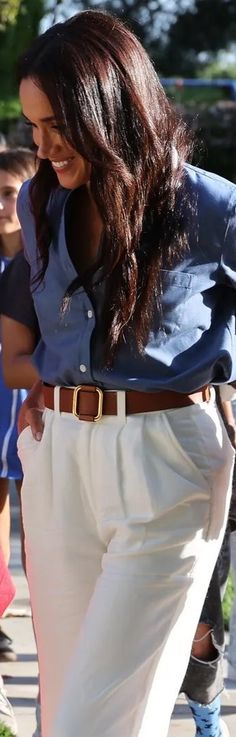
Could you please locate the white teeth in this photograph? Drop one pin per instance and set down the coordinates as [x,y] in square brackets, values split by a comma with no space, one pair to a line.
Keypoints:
[60,164]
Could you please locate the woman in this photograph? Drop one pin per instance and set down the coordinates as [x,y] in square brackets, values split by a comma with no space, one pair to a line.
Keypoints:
[132,261]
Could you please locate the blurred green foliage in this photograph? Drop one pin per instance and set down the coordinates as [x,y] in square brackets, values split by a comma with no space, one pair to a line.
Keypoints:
[5,731]
[9,108]
[218,70]
[8,12]
[19,23]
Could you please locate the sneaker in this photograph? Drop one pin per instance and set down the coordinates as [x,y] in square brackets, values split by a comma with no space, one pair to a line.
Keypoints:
[224,729]
[7,716]
[6,650]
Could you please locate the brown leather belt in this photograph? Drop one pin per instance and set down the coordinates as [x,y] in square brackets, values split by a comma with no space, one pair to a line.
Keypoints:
[90,403]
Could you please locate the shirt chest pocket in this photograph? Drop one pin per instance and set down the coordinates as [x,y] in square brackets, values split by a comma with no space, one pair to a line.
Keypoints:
[177,289]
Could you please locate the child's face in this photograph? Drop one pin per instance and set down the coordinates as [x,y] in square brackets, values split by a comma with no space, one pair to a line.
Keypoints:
[9,188]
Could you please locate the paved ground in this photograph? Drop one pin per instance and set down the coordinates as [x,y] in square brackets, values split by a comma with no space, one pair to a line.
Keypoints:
[21,677]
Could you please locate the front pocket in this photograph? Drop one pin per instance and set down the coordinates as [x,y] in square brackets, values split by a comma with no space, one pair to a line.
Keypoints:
[176,290]
[25,438]
[200,436]
[187,459]
[27,446]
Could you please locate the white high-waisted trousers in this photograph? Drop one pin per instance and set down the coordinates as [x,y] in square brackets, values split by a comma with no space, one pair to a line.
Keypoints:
[123,519]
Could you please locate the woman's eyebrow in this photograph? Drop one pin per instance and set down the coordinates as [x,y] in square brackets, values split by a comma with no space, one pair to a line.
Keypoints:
[48,119]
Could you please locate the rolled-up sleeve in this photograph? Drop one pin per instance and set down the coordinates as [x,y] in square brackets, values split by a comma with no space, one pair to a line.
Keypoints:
[16,300]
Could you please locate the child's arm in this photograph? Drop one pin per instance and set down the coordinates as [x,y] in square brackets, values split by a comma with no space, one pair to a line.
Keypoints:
[18,343]
[19,325]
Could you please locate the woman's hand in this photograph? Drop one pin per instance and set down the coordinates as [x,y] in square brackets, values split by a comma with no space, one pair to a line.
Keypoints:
[31,411]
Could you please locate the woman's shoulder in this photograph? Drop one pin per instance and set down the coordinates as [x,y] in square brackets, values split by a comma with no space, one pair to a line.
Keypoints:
[55,202]
[54,211]
[210,189]
[23,206]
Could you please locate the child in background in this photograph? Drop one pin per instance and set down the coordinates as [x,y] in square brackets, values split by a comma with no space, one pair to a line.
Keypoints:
[18,328]
[16,165]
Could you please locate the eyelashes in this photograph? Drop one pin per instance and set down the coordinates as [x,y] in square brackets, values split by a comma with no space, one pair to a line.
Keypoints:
[58,128]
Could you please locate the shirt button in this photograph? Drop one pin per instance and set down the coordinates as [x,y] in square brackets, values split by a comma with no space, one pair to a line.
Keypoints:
[90,313]
[83,368]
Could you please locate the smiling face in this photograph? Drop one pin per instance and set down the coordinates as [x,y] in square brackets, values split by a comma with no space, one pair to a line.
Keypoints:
[9,188]
[71,168]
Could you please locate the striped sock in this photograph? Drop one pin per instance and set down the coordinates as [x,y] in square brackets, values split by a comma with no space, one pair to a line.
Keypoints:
[207,718]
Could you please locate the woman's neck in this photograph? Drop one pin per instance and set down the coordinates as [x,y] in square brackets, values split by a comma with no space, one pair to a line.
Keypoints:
[10,244]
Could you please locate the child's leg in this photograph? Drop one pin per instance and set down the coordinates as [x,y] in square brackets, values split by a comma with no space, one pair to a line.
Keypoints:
[5,519]
[22,534]
[6,650]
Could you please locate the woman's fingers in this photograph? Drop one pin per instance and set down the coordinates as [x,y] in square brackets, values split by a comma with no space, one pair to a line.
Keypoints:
[31,412]
[33,417]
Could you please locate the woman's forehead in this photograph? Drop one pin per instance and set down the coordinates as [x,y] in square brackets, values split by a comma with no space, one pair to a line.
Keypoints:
[35,104]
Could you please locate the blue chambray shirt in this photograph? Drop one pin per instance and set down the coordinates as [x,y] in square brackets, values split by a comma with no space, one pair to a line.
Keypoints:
[196,342]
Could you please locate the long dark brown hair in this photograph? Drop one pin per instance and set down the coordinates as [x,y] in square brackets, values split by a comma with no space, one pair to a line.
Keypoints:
[105,93]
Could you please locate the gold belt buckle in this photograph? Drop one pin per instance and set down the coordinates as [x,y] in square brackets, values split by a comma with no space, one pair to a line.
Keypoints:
[76,391]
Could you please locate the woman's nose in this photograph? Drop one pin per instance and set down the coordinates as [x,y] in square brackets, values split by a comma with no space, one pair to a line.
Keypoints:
[43,143]
[43,150]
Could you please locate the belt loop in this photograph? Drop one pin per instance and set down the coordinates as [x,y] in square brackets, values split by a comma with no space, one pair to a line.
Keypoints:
[121,405]
[57,398]
[210,388]
[207,394]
